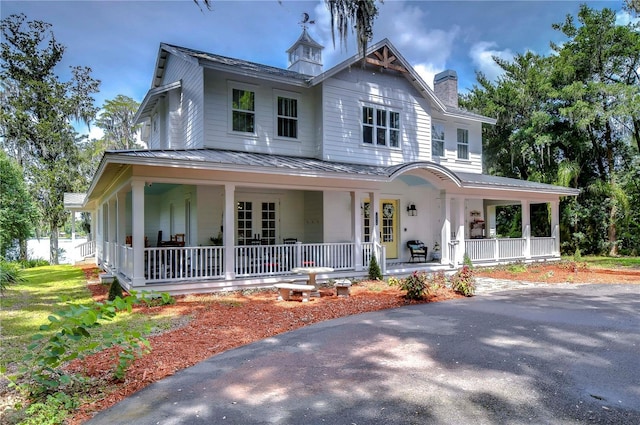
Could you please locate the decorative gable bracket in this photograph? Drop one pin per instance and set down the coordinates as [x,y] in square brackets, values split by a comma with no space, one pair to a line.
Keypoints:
[386,59]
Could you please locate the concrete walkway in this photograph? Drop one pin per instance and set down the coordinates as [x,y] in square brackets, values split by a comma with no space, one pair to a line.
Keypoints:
[539,355]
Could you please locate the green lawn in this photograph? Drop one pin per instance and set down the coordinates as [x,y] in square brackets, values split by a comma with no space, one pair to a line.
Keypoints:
[26,306]
[611,262]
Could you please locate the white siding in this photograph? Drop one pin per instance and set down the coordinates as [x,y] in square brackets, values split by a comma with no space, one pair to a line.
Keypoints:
[450,160]
[218,117]
[184,116]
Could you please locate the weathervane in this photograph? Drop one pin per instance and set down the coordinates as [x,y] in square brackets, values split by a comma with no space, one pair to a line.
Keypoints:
[305,21]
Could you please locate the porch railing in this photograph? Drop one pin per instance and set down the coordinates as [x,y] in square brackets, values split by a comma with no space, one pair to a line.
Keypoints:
[258,260]
[87,249]
[508,249]
[179,263]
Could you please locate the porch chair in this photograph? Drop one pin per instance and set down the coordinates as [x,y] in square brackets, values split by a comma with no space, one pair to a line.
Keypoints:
[289,241]
[418,249]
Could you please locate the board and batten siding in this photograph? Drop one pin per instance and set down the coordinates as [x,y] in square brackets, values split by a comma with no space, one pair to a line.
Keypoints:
[345,94]
[217,104]
[182,111]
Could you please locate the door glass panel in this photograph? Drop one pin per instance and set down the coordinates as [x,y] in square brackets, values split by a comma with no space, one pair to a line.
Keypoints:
[245,223]
[388,218]
[269,222]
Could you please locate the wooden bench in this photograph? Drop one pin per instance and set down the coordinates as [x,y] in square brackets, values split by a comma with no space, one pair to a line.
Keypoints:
[286,289]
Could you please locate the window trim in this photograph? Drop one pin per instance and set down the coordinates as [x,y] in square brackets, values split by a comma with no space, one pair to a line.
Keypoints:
[286,95]
[231,86]
[375,126]
[464,143]
[434,140]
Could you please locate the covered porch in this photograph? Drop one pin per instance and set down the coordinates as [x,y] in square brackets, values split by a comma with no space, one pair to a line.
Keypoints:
[174,224]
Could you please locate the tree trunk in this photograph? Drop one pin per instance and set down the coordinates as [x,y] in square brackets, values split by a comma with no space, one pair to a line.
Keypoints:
[23,250]
[53,246]
[611,233]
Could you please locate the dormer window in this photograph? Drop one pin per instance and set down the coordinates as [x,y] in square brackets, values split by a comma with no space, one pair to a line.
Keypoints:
[380,127]
[243,111]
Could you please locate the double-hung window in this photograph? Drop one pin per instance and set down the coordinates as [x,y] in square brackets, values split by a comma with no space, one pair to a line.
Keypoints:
[287,117]
[380,127]
[243,107]
[437,139]
[463,143]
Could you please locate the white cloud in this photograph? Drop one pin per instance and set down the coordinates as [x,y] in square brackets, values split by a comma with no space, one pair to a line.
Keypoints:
[482,54]
[624,18]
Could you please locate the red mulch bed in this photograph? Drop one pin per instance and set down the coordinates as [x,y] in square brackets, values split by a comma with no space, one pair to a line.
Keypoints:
[219,322]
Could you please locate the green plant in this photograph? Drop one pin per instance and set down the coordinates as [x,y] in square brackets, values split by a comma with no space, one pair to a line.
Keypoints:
[154,299]
[577,256]
[115,290]
[416,285]
[52,410]
[438,280]
[466,261]
[9,275]
[75,337]
[374,269]
[463,281]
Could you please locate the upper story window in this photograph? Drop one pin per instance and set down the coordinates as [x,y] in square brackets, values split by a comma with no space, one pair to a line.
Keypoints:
[463,143]
[380,127]
[437,139]
[243,110]
[287,117]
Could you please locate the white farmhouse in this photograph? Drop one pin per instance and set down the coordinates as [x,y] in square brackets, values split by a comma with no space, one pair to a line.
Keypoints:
[252,171]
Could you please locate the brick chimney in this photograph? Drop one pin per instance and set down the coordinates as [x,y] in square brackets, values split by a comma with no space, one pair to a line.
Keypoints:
[445,85]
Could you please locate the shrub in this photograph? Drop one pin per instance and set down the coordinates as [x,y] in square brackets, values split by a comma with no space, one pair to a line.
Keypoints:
[115,290]
[374,269]
[416,285]
[33,262]
[438,280]
[466,261]
[463,282]
[9,275]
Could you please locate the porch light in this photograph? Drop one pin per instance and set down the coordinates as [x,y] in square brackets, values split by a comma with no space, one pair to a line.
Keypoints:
[411,210]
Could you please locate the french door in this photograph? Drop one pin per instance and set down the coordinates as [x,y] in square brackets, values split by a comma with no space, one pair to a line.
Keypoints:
[256,221]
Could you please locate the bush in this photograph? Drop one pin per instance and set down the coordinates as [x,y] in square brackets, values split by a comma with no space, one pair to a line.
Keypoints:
[33,262]
[115,290]
[438,280]
[374,269]
[9,275]
[417,285]
[463,282]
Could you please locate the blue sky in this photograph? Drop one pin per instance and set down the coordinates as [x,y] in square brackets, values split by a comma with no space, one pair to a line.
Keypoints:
[119,40]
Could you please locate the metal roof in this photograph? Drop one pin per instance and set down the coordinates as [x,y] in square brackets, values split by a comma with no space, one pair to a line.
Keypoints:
[251,161]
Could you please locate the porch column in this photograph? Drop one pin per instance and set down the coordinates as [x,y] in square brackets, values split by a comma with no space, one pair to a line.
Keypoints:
[121,200]
[491,221]
[526,228]
[356,229]
[229,231]
[137,224]
[555,225]
[445,231]
[112,219]
[460,231]
[374,199]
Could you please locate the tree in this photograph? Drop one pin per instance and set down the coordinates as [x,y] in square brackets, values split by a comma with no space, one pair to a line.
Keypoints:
[37,112]
[357,15]
[116,120]
[17,210]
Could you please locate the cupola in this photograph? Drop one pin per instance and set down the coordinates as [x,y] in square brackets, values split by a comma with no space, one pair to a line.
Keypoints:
[305,56]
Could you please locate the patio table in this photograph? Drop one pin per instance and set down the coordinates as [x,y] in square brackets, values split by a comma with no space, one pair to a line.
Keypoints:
[312,272]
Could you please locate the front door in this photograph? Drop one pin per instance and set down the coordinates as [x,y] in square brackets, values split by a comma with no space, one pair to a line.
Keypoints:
[388,225]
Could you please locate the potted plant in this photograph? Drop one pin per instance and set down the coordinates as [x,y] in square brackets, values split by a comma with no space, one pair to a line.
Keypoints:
[216,240]
[435,254]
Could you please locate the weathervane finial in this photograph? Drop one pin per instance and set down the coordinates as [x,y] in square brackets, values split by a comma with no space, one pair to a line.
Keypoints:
[305,21]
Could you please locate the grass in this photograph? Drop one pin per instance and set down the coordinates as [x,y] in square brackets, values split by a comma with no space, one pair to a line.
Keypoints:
[612,262]
[26,306]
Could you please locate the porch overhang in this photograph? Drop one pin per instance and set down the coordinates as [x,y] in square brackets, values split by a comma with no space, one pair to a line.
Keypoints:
[152,98]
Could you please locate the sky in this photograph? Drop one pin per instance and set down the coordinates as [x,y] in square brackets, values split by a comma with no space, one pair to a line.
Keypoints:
[119,39]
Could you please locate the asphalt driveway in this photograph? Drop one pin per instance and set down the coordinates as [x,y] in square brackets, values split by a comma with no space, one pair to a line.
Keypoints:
[534,356]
